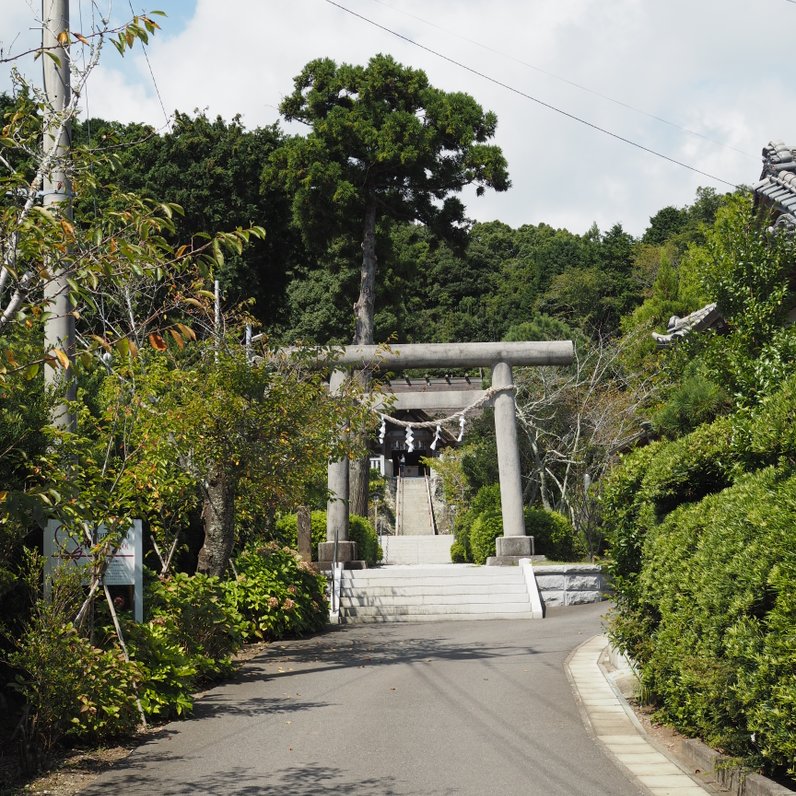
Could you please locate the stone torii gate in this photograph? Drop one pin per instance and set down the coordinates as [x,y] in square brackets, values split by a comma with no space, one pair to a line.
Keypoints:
[500,357]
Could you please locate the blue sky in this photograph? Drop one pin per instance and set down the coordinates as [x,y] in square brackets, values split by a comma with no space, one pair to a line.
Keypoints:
[717,74]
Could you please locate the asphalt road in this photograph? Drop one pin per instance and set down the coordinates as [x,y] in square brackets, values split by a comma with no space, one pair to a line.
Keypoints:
[480,707]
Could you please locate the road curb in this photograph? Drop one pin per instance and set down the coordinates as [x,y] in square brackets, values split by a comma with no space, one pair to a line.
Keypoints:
[694,755]
[617,728]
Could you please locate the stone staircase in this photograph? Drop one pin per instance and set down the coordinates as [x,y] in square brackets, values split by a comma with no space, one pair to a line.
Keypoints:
[422,549]
[438,592]
[413,510]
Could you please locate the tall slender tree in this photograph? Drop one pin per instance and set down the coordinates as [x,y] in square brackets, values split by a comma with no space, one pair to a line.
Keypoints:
[383,144]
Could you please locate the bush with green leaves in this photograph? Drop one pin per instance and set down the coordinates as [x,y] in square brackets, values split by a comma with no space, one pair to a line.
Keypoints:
[278,593]
[554,535]
[621,503]
[286,531]
[485,530]
[766,434]
[686,470]
[486,500]
[360,530]
[169,674]
[715,597]
[206,624]
[72,688]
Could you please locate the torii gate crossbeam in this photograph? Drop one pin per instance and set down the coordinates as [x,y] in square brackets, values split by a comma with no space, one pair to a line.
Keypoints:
[500,357]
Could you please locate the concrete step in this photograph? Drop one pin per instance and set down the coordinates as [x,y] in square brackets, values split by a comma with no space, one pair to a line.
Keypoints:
[441,617]
[416,549]
[510,611]
[405,601]
[401,590]
[414,511]
[423,593]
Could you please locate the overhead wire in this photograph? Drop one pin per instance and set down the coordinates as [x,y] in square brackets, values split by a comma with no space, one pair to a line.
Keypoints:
[567,81]
[151,72]
[525,95]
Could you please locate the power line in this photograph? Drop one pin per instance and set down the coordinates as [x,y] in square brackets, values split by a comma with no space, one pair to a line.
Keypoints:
[530,97]
[567,81]
[151,72]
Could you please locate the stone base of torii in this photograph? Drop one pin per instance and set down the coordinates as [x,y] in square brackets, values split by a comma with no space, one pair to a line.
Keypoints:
[500,357]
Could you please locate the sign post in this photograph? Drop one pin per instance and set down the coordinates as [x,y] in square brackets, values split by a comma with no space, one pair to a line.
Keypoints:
[124,569]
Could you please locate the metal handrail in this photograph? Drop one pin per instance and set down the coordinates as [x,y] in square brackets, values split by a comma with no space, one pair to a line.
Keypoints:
[430,504]
[399,505]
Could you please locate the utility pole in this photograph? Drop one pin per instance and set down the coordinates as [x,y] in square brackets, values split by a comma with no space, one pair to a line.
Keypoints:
[59,330]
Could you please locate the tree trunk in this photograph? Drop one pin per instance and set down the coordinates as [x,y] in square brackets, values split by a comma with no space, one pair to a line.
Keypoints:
[364,310]
[218,514]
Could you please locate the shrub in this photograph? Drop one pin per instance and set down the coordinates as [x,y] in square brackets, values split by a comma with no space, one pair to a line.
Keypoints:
[716,594]
[553,535]
[487,499]
[621,502]
[71,687]
[169,674]
[767,434]
[485,530]
[287,531]
[693,466]
[206,624]
[458,553]
[278,593]
[360,530]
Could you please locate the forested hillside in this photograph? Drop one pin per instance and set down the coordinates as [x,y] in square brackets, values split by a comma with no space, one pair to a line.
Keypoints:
[677,464]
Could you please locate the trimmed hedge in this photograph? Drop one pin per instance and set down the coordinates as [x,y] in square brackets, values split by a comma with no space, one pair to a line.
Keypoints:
[360,530]
[715,611]
[481,525]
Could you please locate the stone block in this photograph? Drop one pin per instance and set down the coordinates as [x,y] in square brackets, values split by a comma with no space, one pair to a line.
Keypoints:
[584,583]
[545,582]
[582,597]
[346,551]
[553,598]
[521,546]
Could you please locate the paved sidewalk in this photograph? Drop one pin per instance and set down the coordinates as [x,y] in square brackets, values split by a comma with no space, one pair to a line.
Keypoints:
[617,729]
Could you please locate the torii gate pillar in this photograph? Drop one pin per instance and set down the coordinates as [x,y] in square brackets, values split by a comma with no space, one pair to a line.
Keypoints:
[514,541]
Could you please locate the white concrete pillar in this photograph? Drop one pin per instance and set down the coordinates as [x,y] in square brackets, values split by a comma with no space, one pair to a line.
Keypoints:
[514,541]
[337,473]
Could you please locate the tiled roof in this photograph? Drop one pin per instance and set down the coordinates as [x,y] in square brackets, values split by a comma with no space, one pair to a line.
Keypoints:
[776,190]
[706,318]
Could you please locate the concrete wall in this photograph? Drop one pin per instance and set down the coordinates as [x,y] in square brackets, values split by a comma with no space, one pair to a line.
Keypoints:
[571,584]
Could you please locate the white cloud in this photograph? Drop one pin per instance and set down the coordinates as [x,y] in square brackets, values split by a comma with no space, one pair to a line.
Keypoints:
[718,68]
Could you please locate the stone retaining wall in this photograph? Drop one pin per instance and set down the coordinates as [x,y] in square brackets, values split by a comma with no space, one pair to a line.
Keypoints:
[571,584]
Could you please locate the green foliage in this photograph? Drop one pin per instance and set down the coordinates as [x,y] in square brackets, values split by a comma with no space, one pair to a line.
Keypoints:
[694,401]
[486,528]
[209,168]
[622,503]
[486,501]
[361,531]
[71,688]
[718,610]
[553,535]
[458,552]
[208,628]
[746,270]
[766,434]
[169,673]
[689,468]
[286,531]
[382,131]
[278,593]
